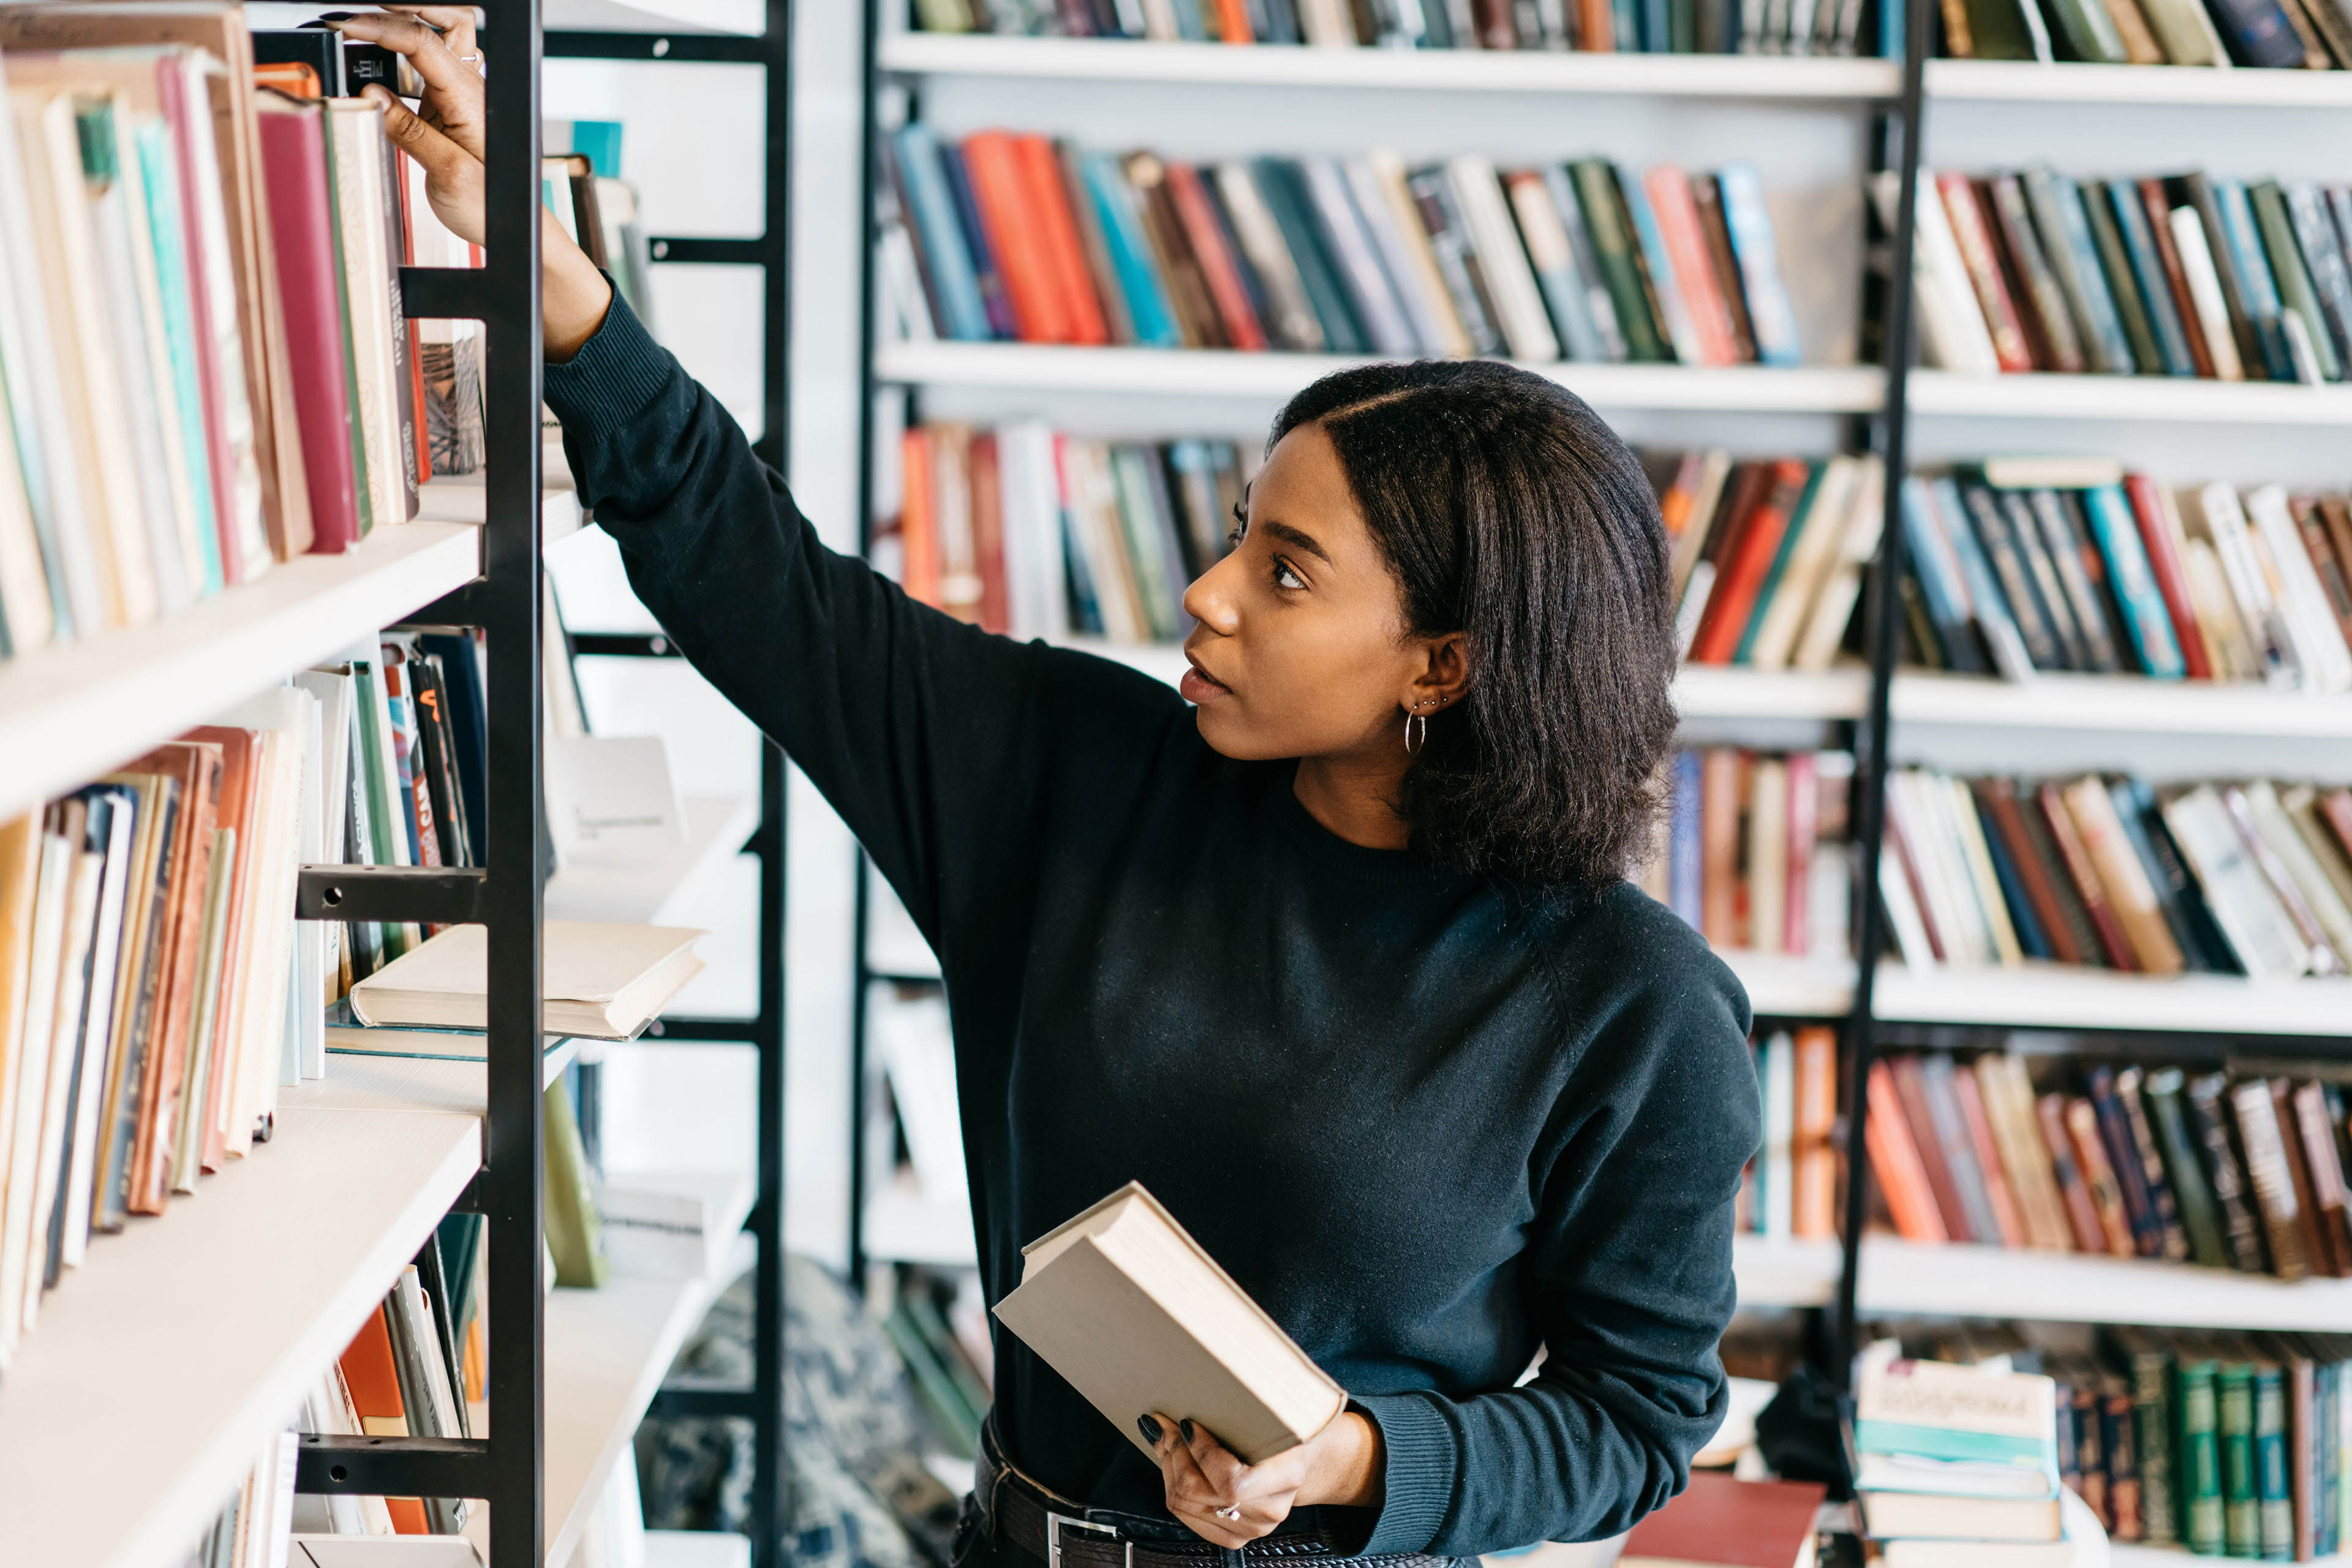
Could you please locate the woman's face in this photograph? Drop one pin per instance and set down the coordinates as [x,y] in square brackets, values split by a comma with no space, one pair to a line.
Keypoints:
[1301,648]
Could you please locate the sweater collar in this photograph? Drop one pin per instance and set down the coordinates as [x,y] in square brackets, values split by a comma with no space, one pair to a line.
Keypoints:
[1328,851]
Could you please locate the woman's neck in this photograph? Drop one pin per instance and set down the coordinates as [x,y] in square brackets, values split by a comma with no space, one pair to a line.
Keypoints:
[1351,794]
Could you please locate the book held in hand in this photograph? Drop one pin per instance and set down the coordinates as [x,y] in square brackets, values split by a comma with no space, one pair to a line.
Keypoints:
[1130,1309]
[601,982]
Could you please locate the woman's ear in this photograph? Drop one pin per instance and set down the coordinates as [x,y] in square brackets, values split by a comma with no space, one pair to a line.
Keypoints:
[1444,676]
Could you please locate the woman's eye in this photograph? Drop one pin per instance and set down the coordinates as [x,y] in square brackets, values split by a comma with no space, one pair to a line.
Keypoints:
[1283,577]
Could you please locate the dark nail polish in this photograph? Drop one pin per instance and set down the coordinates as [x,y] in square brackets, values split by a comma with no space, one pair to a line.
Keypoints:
[1185,1427]
[1150,1428]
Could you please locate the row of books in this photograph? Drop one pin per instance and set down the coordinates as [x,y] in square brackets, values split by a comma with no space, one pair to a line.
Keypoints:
[1789,1191]
[1769,553]
[2288,34]
[2250,878]
[2184,276]
[2107,572]
[1016,238]
[1024,529]
[207,361]
[2226,1444]
[152,983]
[1649,26]
[1752,850]
[255,1529]
[2244,1174]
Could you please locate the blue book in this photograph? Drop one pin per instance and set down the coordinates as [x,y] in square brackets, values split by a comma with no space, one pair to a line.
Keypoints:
[159,178]
[2147,271]
[994,299]
[1683,855]
[1674,308]
[1279,182]
[2022,918]
[1939,586]
[2258,33]
[1657,28]
[1769,310]
[2254,275]
[1988,603]
[1131,253]
[468,716]
[2146,620]
[2323,256]
[945,257]
[2057,204]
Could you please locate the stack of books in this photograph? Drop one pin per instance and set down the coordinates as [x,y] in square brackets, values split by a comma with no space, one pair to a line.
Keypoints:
[2021,565]
[2227,879]
[208,366]
[1024,529]
[2290,34]
[1789,1191]
[1754,850]
[1769,552]
[2238,1173]
[2185,276]
[2226,1444]
[1673,27]
[1957,1467]
[1018,238]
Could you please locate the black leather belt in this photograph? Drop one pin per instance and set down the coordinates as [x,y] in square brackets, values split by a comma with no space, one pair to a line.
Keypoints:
[1061,1534]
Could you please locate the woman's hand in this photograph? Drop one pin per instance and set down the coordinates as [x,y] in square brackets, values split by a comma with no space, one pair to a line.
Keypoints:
[444,134]
[1226,1503]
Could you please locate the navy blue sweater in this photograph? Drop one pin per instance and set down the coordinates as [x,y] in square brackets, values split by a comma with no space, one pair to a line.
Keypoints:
[1431,1128]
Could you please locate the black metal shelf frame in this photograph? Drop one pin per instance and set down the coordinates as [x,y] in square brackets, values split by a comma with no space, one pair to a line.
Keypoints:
[507,1469]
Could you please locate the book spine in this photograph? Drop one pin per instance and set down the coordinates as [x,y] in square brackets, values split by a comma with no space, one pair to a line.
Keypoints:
[1970,231]
[1676,212]
[2203,1513]
[1770,308]
[2157,212]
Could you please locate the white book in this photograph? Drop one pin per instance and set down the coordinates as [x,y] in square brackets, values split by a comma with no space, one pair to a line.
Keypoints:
[2309,878]
[1952,324]
[671,1224]
[288,716]
[65,1040]
[1411,277]
[355,154]
[310,1550]
[1778,1168]
[598,981]
[1478,192]
[2205,293]
[1832,609]
[610,800]
[1971,834]
[1910,932]
[32,1069]
[1820,531]
[917,1052]
[2260,932]
[2218,621]
[2224,523]
[908,309]
[98,1029]
[2310,615]
[1419,276]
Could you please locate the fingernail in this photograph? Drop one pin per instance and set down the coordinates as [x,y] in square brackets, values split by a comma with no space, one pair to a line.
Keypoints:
[1150,1428]
[1185,1427]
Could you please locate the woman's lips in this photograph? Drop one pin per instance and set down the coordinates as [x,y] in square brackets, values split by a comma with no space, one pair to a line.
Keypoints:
[1198,686]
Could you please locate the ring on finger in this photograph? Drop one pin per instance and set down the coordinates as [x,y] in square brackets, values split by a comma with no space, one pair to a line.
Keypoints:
[1232,1512]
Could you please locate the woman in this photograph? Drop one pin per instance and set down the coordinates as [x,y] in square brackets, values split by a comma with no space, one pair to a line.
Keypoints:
[1339,963]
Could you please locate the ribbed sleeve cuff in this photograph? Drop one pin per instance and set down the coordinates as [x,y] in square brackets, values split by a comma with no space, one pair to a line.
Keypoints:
[1421,1459]
[615,376]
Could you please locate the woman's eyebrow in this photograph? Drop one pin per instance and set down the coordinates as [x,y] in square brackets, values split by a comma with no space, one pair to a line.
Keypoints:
[1293,536]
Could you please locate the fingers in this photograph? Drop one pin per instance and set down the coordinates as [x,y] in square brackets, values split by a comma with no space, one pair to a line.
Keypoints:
[453,90]
[1212,1492]
[442,158]
[456,24]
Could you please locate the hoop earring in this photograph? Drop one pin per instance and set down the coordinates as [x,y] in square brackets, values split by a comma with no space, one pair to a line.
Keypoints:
[1415,716]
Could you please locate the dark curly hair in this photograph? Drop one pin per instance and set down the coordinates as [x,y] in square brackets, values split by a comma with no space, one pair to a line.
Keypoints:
[1510,512]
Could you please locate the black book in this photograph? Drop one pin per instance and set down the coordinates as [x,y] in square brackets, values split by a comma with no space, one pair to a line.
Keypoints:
[2123,1153]
[470,727]
[2197,932]
[2040,563]
[2161,1198]
[2225,1170]
[439,762]
[2082,572]
[316,47]
[2025,607]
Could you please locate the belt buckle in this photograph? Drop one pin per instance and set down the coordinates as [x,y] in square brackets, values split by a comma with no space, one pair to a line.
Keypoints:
[1056,1522]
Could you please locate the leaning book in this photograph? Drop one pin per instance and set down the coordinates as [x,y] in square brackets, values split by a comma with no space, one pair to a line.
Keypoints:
[1139,1319]
[600,982]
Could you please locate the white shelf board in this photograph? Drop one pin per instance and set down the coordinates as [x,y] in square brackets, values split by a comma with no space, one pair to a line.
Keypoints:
[2176,399]
[903,1226]
[1962,1280]
[2131,703]
[465,498]
[1785,1273]
[716,827]
[2140,1555]
[2022,81]
[1387,70]
[2054,996]
[451,1087]
[696,1549]
[67,714]
[193,1335]
[1781,984]
[1230,372]
[606,1352]
[748,17]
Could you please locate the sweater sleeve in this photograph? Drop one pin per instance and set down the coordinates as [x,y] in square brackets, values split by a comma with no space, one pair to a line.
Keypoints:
[1628,1281]
[931,738]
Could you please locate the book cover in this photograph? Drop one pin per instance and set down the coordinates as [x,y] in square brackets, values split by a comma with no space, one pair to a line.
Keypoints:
[1895,1160]
[2155,210]
[294,164]
[1972,234]
[1613,242]
[1037,171]
[1749,222]
[1377,185]
[2100,210]
[947,262]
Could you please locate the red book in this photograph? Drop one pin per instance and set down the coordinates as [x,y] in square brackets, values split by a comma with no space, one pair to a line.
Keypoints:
[999,192]
[2176,280]
[1973,231]
[2086,877]
[294,170]
[1207,237]
[1065,254]
[1741,574]
[988,535]
[1894,1159]
[918,522]
[2171,581]
[1734,1523]
[1234,23]
[370,1372]
[1678,223]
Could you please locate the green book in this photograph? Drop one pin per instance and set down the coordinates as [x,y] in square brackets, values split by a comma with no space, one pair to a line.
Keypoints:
[2288,271]
[575,1231]
[957,1422]
[2123,284]
[1612,244]
[2241,1503]
[2272,1488]
[2199,1213]
[2090,31]
[2197,1489]
[2152,1429]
